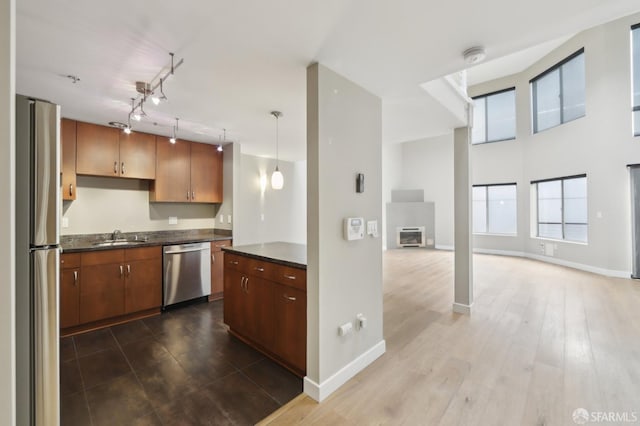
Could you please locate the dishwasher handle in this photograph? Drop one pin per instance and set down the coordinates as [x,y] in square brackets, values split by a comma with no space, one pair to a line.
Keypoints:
[185,250]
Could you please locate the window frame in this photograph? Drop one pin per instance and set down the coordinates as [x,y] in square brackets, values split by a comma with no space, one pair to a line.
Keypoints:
[562,223]
[634,108]
[486,115]
[486,200]
[534,98]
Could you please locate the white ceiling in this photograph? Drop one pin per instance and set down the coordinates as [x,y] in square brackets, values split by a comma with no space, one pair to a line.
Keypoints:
[244,59]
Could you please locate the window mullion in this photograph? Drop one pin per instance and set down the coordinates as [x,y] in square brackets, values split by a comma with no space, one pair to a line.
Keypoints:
[486,202]
[562,206]
[486,119]
[561,94]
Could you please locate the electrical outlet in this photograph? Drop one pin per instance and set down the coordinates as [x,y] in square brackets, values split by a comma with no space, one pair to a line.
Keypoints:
[173,220]
[65,222]
[361,322]
[228,218]
[221,218]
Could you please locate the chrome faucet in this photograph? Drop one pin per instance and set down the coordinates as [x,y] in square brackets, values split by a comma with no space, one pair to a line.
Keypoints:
[116,234]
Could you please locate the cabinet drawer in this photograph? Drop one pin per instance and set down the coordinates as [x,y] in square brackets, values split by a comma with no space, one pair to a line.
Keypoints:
[293,277]
[102,257]
[260,268]
[217,245]
[70,261]
[239,263]
[142,253]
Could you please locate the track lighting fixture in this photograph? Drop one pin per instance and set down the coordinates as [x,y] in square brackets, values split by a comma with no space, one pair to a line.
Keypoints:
[173,138]
[219,148]
[277,179]
[147,90]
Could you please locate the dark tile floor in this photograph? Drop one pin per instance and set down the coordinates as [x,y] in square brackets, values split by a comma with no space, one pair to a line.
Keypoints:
[179,368]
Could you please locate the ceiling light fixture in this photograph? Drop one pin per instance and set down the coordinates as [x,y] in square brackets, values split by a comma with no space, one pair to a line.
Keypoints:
[474,55]
[277,179]
[157,99]
[148,89]
[173,138]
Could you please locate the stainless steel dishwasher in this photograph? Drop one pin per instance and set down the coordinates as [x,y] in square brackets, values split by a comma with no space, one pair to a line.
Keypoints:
[186,272]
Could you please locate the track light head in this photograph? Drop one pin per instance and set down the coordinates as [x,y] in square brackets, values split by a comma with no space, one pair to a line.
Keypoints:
[172,140]
[219,148]
[155,100]
[127,130]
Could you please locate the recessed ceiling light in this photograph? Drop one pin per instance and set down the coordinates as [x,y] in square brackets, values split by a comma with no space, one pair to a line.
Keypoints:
[474,55]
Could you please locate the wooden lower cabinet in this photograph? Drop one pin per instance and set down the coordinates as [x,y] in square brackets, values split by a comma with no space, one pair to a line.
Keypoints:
[290,311]
[69,290]
[265,307]
[217,269]
[108,286]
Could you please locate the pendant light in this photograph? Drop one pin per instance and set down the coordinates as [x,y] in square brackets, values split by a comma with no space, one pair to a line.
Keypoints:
[277,180]
[173,138]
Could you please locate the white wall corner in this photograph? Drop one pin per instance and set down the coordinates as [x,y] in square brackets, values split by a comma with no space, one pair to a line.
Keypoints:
[463,309]
[321,391]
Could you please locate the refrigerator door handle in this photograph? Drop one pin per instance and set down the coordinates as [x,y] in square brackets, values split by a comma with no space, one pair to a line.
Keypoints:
[46,336]
[46,175]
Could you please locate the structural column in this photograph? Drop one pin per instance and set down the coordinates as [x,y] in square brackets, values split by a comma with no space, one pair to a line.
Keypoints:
[463,275]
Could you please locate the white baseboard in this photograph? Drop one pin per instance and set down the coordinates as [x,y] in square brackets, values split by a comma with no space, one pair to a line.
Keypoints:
[500,252]
[440,247]
[588,268]
[461,308]
[580,266]
[321,391]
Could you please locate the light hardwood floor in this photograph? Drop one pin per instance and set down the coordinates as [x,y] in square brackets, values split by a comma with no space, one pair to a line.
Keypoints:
[542,340]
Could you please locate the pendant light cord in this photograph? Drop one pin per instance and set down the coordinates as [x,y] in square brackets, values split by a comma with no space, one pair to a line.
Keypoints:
[277,138]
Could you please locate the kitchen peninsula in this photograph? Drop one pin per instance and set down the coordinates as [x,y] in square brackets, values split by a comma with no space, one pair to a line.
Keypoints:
[265,301]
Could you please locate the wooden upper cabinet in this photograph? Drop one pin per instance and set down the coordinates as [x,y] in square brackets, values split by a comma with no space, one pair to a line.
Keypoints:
[137,155]
[187,172]
[172,181]
[107,151]
[68,157]
[97,150]
[204,174]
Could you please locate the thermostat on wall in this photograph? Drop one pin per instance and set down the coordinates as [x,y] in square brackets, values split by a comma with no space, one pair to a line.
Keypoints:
[353,228]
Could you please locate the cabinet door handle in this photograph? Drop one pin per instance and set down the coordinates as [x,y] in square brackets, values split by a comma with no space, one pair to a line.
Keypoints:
[246,285]
[259,269]
[213,258]
[121,271]
[193,195]
[122,167]
[115,167]
[242,283]
[289,298]
[71,189]
[187,195]
[75,278]
[233,262]
[290,277]
[128,270]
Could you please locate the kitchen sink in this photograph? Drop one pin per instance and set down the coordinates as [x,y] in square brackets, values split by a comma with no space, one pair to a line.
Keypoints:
[117,243]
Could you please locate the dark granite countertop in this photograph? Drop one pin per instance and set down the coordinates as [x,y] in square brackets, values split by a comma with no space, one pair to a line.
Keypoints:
[86,242]
[288,254]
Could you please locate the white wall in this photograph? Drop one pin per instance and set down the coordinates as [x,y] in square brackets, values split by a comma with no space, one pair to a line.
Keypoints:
[7,216]
[344,278]
[600,144]
[269,215]
[428,164]
[391,179]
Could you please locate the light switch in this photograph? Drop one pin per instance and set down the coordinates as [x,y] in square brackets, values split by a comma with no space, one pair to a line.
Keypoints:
[228,218]
[372,228]
[173,220]
[221,218]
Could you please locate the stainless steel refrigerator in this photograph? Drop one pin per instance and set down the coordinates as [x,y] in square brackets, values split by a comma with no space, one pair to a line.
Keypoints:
[37,183]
